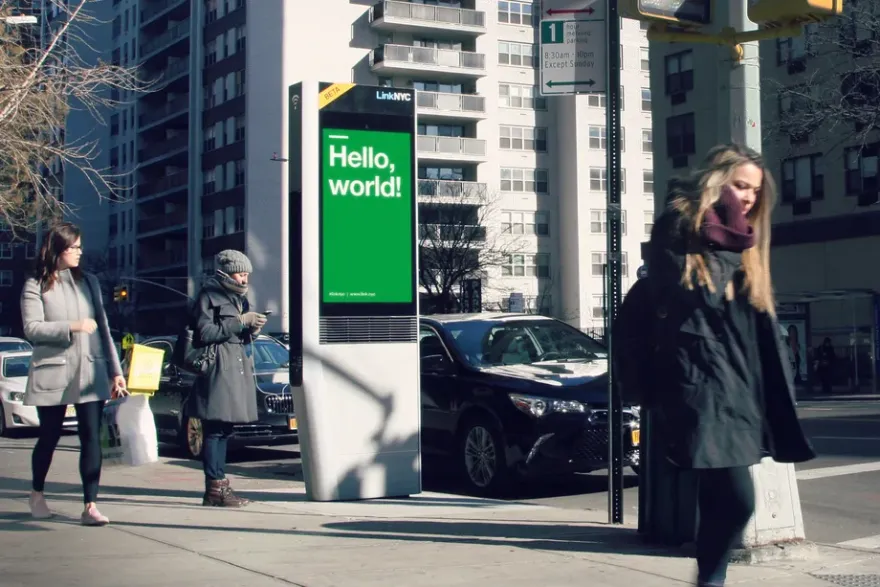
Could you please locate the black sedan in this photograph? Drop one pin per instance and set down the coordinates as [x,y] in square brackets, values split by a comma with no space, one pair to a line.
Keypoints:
[176,423]
[507,395]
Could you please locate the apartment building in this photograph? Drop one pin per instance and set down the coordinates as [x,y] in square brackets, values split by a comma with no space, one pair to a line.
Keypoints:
[205,175]
[826,224]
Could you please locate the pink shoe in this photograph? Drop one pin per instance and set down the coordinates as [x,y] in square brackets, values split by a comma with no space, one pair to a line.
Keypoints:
[92,517]
[39,507]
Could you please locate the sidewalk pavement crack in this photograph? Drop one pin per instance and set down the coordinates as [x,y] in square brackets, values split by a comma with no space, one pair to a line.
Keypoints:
[209,557]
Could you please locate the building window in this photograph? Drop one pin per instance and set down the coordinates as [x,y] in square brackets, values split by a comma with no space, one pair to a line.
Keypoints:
[6,251]
[648,182]
[208,229]
[524,180]
[211,52]
[520,54]
[598,179]
[803,178]
[535,223]
[679,73]
[210,141]
[523,138]
[239,172]
[526,265]
[239,129]
[646,99]
[598,137]
[5,278]
[599,221]
[649,222]
[601,100]
[598,307]
[521,96]
[240,81]
[516,13]
[680,138]
[646,58]
[598,263]
[210,11]
[240,39]
[209,182]
[861,170]
[647,141]
[30,251]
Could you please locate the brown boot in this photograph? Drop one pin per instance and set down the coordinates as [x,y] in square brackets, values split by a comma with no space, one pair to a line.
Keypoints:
[218,494]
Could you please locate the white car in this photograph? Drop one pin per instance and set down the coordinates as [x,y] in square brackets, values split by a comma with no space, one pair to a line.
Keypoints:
[14,415]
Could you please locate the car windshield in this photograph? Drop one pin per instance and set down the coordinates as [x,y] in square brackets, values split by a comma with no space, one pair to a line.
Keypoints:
[16,366]
[12,346]
[485,343]
[270,355]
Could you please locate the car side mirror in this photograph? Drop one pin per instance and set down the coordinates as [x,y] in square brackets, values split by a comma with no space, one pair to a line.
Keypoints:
[436,364]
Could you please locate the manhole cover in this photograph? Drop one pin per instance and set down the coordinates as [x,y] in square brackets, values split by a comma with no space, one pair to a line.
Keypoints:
[851,580]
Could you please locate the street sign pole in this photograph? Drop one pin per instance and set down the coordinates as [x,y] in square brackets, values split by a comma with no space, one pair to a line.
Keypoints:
[613,275]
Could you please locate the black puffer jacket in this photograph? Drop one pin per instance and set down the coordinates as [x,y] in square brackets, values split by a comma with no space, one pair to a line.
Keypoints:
[228,393]
[726,393]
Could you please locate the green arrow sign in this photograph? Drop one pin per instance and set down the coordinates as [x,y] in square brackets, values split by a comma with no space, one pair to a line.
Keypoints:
[552,84]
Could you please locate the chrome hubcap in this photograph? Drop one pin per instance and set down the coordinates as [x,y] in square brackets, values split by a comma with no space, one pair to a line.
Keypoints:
[480,456]
[194,436]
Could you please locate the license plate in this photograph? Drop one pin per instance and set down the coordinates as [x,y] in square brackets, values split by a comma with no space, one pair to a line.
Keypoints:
[634,435]
[70,412]
[292,423]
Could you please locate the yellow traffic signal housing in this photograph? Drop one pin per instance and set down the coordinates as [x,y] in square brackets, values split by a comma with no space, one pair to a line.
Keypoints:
[684,13]
[120,293]
[793,11]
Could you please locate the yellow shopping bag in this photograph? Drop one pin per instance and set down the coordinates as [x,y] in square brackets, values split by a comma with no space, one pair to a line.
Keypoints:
[145,369]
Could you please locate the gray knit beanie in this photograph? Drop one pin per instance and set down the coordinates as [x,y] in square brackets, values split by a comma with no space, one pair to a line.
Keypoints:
[231,261]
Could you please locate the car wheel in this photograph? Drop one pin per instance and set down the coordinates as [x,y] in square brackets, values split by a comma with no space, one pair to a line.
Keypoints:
[192,437]
[482,457]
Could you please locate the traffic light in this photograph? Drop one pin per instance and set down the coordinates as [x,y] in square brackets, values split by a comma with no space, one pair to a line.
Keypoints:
[685,13]
[120,293]
[793,11]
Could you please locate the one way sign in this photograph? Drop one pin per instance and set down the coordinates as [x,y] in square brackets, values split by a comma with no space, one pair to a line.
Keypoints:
[573,47]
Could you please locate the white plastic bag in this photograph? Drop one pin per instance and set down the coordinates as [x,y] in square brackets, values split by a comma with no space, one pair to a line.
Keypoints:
[128,432]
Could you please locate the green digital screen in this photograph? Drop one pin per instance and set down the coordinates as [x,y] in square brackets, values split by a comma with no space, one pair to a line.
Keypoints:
[367,234]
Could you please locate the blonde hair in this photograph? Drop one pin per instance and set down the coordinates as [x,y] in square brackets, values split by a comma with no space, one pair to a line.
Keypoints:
[695,195]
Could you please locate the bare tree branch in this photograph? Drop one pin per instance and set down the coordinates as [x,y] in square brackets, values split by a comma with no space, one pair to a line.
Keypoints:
[48,71]
[454,240]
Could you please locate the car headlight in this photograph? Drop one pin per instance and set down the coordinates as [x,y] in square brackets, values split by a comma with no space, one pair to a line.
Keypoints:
[538,407]
[636,410]
[16,396]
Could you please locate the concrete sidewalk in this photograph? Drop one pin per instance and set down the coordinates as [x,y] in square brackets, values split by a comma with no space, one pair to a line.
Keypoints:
[160,535]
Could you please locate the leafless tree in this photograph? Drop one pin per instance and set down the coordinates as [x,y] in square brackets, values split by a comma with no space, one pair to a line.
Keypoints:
[837,92]
[455,241]
[47,71]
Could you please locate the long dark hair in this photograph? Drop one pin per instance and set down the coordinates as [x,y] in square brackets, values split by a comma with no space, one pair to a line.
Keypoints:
[60,237]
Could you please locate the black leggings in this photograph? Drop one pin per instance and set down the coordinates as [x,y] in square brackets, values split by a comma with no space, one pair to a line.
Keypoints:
[726,501]
[88,416]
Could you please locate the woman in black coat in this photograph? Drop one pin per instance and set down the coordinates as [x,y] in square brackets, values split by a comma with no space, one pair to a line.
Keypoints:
[727,396]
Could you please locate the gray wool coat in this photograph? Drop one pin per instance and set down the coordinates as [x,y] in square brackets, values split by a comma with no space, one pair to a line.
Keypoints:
[229,392]
[66,367]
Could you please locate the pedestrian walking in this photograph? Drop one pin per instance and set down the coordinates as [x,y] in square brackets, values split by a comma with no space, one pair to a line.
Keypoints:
[74,362]
[727,396]
[227,394]
[827,360]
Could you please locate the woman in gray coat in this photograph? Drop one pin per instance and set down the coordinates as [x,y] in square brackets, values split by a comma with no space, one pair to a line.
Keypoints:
[74,362]
[227,394]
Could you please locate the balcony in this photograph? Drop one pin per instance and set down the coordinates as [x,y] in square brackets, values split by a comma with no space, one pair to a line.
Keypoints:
[406,17]
[450,107]
[452,233]
[161,7]
[166,184]
[154,225]
[451,190]
[178,68]
[167,39]
[173,108]
[441,149]
[152,261]
[160,150]
[441,64]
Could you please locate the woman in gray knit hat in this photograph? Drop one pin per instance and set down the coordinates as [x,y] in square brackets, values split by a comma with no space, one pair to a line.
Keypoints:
[227,394]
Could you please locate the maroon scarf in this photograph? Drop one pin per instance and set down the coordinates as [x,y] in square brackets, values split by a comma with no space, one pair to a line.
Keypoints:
[725,227]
